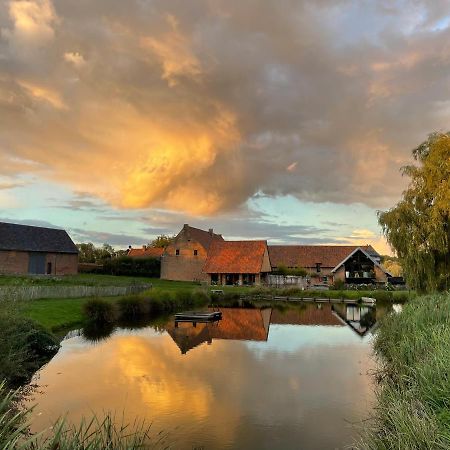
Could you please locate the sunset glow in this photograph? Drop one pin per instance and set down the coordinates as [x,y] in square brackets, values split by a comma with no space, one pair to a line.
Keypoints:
[287,121]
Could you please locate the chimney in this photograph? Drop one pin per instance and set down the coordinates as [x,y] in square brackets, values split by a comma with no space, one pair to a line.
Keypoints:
[186,225]
[144,247]
[211,231]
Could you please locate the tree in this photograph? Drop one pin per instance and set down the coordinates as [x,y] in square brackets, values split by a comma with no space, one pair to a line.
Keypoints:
[88,253]
[162,241]
[418,227]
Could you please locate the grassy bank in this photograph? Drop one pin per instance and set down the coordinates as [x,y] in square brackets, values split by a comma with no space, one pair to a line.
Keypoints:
[61,314]
[413,347]
[93,280]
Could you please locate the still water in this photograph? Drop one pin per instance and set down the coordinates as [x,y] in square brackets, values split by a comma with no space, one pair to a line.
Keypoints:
[291,378]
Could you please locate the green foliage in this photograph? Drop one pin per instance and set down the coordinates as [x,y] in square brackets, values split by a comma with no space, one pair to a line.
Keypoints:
[24,345]
[296,271]
[89,253]
[99,311]
[132,307]
[107,433]
[162,241]
[414,394]
[338,285]
[418,227]
[141,267]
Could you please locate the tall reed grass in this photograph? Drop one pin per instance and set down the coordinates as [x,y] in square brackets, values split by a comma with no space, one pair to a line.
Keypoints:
[413,395]
[107,433]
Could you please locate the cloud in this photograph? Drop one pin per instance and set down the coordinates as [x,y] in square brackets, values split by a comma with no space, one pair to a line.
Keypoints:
[32,21]
[75,58]
[199,107]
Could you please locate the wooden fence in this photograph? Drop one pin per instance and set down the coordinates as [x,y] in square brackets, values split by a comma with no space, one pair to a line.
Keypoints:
[35,292]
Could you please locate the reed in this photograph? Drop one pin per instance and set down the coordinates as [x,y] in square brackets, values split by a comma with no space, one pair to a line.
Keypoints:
[413,395]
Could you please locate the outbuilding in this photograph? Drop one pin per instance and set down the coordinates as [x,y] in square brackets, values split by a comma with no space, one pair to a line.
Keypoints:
[27,249]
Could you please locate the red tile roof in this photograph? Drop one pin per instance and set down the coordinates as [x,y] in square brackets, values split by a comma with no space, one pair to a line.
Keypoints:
[149,252]
[235,257]
[310,255]
[236,324]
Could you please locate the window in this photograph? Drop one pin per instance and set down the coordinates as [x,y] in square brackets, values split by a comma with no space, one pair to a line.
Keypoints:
[195,252]
[49,268]
[177,252]
[318,269]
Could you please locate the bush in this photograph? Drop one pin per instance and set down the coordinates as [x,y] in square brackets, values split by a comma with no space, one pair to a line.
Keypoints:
[132,307]
[24,346]
[201,297]
[141,267]
[338,285]
[99,311]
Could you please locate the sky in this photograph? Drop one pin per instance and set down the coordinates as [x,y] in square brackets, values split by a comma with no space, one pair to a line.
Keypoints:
[281,120]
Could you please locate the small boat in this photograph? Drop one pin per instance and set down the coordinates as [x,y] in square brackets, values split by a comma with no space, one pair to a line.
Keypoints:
[368,300]
[198,316]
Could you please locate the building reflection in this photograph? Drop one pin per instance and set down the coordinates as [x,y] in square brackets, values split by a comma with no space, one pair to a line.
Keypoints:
[239,324]
[252,324]
[360,318]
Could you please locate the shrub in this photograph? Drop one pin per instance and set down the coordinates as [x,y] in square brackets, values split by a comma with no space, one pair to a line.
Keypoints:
[201,297]
[183,298]
[338,285]
[99,311]
[132,307]
[145,267]
[24,346]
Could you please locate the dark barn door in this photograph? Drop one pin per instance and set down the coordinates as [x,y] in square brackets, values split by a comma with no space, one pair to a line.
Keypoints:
[36,263]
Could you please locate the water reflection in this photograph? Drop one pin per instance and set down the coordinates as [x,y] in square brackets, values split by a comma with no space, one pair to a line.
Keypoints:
[258,379]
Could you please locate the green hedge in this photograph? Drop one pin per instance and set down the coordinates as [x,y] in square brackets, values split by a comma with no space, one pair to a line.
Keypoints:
[145,267]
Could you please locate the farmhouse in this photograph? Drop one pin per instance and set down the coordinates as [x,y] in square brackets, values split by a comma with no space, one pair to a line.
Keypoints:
[184,258]
[237,262]
[36,250]
[327,263]
[198,255]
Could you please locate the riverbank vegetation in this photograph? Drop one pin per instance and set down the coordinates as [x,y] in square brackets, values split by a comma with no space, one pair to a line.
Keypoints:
[413,348]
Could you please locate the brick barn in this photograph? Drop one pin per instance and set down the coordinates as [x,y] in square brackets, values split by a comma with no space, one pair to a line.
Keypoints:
[184,258]
[237,262]
[36,250]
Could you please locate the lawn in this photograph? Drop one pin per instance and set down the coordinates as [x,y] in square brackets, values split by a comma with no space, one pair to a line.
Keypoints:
[92,280]
[57,314]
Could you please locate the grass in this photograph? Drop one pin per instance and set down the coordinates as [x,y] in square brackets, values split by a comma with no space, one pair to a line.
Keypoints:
[106,433]
[413,347]
[93,280]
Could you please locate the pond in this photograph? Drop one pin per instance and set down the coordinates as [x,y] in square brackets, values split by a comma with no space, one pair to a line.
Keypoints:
[260,378]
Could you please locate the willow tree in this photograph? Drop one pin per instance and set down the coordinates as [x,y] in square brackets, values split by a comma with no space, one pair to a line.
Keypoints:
[418,227]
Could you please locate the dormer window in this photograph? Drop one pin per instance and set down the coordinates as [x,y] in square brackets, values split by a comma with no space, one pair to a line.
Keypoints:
[195,252]
[318,268]
[177,252]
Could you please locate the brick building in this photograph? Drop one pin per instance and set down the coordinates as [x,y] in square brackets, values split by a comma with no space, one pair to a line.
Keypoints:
[184,258]
[36,250]
[327,263]
[237,262]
